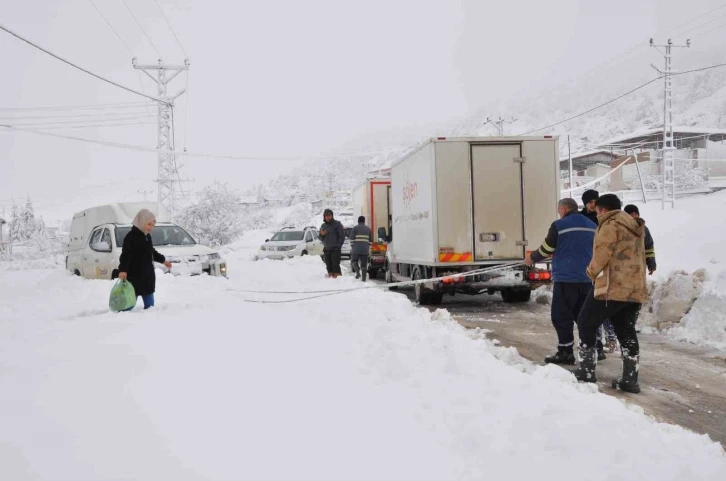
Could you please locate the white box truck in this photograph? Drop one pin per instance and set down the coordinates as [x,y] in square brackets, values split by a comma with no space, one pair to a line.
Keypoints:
[372,199]
[97,236]
[460,204]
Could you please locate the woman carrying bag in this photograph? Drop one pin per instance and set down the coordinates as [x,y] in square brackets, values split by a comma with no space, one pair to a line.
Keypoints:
[136,264]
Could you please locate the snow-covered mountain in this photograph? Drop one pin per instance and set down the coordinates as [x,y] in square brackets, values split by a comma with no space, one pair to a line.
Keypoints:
[699,100]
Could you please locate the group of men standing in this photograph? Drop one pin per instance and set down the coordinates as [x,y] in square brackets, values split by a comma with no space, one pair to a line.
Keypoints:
[599,261]
[332,233]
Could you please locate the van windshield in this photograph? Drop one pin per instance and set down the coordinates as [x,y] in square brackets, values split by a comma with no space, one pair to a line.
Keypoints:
[162,235]
[287,236]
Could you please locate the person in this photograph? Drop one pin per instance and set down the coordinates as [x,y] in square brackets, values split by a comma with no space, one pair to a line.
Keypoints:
[332,234]
[618,271]
[361,237]
[589,197]
[569,243]
[136,263]
[634,212]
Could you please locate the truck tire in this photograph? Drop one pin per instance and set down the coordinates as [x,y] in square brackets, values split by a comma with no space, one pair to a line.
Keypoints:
[421,296]
[389,278]
[512,296]
[436,298]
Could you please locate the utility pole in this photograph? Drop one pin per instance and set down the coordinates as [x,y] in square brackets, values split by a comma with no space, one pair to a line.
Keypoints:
[168,172]
[499,123]
[144,193]
[668,164]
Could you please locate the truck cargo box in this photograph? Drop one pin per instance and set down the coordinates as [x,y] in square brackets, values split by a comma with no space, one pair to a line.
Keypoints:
[475,201]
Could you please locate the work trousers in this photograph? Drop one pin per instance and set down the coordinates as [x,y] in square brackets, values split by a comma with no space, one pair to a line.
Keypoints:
[359,263]
[622,315]
[567,301]
[332,261]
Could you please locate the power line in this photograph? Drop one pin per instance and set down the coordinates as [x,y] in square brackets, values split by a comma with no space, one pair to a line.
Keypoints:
[595,108]
[624,95]
[122,105]
[131,54]
[75,115]
[76,66]
[120,124]
[141,28]
[138,148]
[171,28]
[698,69]
[71,122]
[624,56]
[112,29]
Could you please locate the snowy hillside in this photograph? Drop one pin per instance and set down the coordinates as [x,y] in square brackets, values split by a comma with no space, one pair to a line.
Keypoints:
[699,100]
[358,386]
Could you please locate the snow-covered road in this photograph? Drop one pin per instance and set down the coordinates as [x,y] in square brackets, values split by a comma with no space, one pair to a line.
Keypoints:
[356,386]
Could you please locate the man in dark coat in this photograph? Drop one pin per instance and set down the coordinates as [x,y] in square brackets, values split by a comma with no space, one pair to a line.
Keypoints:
[589,197]
[361,238]
[332,233]
[138,255]
[569,243]
[634,212]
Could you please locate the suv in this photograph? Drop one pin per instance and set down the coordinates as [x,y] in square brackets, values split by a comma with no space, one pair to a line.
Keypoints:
[291,242]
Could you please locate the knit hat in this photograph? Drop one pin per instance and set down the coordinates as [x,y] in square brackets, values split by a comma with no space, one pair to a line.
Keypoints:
[589,195]
[361,220]
[631,209]
[142,218]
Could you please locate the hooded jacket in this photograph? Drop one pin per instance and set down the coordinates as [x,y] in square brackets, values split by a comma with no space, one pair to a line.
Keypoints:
[618,261]
[334,237]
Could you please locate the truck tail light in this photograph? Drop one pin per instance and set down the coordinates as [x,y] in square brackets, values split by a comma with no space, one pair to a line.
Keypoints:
[453,280]
[539,276]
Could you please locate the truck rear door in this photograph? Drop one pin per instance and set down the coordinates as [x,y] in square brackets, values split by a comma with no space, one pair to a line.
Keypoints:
[498,214]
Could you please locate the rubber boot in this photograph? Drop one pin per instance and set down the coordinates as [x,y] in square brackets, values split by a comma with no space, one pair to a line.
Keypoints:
[364,275]
[629,381]
[585,372]
[561,357]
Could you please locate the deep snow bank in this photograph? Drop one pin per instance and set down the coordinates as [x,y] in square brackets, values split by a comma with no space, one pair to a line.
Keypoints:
[354,386]
[689,300]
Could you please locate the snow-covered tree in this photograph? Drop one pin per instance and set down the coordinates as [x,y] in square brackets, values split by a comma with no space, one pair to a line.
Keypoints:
[23,224]
[686,177]
[216,216]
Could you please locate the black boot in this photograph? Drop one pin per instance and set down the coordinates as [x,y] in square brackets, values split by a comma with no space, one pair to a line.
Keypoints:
[561,357]
[629,381]
[585,372]
[601,355]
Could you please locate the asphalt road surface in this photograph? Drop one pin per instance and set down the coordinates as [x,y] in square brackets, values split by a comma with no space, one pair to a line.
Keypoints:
[682,384]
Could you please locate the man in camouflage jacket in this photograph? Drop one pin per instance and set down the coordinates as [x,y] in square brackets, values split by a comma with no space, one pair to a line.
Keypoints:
[618,270]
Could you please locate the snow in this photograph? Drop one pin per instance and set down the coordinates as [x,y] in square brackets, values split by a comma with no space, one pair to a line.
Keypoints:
[361,385]
[689,238]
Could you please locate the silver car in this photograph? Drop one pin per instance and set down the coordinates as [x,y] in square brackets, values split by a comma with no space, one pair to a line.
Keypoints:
[345,250]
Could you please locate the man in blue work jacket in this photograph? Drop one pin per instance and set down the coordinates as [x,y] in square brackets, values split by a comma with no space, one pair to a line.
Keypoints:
[569,243]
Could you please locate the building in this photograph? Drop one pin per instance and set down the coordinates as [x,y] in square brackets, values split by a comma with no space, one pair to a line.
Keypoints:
[693,148]
[586,167]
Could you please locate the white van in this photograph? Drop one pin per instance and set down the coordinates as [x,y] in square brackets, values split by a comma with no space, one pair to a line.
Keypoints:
[97,237]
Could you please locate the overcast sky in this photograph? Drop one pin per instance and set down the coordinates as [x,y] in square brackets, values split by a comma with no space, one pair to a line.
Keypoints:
[284,78]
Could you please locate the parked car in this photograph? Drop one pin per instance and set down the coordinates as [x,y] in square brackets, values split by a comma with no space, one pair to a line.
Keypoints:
[345,250]
[291,242]
[97,237]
